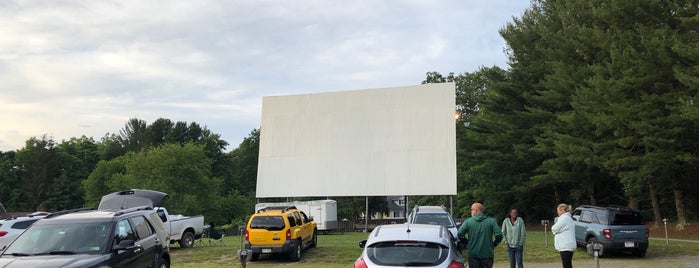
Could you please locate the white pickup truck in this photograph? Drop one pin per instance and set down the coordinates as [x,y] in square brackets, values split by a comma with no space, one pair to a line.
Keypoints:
[183,229]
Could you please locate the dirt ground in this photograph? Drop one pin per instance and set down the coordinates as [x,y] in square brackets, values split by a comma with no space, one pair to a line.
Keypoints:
[690,231]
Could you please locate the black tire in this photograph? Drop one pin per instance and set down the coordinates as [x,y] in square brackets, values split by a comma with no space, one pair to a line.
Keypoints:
[255,257]
[314,242]
[639,252]
[163,263]
[187,240]
[295,254]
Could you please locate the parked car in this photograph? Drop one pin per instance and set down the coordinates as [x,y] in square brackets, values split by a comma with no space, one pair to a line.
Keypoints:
[280,230]
[12,227]
[182,229]
[409,245]
[132,235]
[616,228]
[434,215]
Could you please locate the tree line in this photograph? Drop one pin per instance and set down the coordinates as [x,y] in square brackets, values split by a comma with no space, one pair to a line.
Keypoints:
[598,106]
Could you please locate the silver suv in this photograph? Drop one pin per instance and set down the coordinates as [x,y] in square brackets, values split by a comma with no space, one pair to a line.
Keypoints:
[616,228]
[438,215]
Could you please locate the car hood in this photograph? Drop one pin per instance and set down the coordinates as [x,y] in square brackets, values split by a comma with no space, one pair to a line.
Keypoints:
[131,198]
[47,261]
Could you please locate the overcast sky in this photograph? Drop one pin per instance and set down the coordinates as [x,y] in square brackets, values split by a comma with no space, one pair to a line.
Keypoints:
[73,68]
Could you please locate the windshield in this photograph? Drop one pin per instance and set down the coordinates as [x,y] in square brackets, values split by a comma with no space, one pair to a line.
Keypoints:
[434,218]
[407,253]
[64,238]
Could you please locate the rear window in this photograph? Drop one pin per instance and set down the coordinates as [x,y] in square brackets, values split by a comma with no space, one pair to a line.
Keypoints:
[627,218]
[407,253]
[23,224]
[271,223]
[434,218]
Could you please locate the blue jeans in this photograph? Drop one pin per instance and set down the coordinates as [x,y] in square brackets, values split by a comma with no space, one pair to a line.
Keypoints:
[515,254]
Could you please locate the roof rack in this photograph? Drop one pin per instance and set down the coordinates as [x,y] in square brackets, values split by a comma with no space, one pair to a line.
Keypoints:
[282,208]
[64,212]
[128,210]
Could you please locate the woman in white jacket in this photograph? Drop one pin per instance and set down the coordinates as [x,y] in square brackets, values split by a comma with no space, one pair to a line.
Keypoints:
[564,235]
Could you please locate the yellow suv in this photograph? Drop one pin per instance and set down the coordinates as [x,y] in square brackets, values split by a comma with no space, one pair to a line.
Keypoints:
[282,230]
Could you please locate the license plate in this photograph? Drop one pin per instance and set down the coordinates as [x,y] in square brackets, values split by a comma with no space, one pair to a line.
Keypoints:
[266,250]
[629,244]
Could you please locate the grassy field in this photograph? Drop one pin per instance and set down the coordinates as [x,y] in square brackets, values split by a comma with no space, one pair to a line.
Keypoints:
[341,250]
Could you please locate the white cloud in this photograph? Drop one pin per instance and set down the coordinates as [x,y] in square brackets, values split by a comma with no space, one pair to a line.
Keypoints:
[72,68]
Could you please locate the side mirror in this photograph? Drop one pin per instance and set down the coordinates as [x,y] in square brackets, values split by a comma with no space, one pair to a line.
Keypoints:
[310,218]
[362,243]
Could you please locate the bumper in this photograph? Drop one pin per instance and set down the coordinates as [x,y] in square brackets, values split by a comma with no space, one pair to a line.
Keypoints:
[624,245]
[287,247]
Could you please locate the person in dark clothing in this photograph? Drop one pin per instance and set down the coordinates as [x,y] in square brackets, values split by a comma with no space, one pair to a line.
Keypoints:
[484,235]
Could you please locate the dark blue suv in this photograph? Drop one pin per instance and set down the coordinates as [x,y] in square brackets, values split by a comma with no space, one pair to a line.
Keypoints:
[616,228]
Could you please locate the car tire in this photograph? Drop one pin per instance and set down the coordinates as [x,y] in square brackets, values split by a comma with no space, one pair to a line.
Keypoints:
[295,255]
[255,257]
[187,240]
[163,263]
[639,252]
[314,242]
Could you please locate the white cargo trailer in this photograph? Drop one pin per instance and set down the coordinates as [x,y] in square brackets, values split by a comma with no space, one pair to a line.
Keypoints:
[324,212]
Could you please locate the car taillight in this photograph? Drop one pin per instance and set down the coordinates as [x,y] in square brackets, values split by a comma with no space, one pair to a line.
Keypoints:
[361,264]
[607,233]
[647,234]
[288,234]
[247,235]
[3,233]
[453,264]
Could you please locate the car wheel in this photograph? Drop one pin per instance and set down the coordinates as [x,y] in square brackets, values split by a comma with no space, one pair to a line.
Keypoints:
[639,252]
[187,240]
[163,263]
[255,256]
[295,255]
[592,240]
[314,243]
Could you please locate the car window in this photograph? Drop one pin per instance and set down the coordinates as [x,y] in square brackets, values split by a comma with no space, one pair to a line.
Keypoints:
[586,216]
[436,219]
[23,224]
[627,218]
[124,232]
[305,218]
[298,218]
[143,228]
[292,220]
[407,253]
[271,223]
[67,237]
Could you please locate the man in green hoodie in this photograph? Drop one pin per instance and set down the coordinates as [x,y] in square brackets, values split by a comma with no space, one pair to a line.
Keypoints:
[484,235]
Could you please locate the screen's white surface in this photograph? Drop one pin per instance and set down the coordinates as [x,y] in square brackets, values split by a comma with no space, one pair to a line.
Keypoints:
[374,142]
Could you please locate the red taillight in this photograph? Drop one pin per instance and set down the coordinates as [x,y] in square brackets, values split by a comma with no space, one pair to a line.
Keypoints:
[288,234]
[453,264]
[361,264]
[247,235]
[607,233]
[3,233]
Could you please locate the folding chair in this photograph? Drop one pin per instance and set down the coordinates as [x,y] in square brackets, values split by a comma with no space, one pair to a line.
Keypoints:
[203,238]
[216,237]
